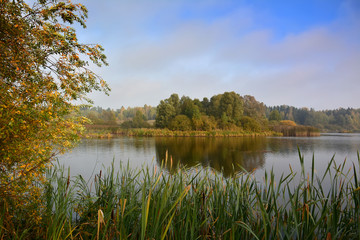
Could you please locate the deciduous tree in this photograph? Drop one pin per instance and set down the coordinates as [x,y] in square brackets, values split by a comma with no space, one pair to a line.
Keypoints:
[43,69]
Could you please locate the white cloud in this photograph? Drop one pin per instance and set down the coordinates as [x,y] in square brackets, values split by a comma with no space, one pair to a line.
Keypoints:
[153,51]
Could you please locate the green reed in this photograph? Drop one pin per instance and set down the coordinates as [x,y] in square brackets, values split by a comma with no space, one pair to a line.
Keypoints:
[150,203]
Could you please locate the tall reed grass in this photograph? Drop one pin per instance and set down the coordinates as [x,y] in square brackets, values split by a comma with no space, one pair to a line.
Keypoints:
[150,203]
[108,132]
[296,131]
[149,132]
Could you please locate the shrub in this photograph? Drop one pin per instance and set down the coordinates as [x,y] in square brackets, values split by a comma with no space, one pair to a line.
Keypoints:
[287,123]
[181,123]
[250,124]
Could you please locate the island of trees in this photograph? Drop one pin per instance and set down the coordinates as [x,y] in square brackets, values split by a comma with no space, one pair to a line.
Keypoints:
[227,111]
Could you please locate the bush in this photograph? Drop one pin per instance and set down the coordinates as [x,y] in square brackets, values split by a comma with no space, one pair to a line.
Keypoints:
[250,124]
[180,123]
[207,123]
[287,123]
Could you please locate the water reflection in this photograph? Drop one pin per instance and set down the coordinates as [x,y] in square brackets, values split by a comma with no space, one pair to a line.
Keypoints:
[228,155]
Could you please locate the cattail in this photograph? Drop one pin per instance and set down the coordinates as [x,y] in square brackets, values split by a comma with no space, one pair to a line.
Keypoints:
[100,221]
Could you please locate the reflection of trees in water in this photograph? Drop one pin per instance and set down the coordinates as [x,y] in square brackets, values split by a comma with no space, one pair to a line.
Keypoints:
[139,143]
[228,155]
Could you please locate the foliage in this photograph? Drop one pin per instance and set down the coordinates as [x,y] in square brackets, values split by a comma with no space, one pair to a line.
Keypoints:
[338,120]
[171,203]
[207,123]
[287,123]
[207,114]
[189,108]
[43,69]
[253,108]
[274,115]
[125,114]
[228,105]
[139,121]
[100,116]
[166,111]
[222,111]
[180,123]
[250,124]
[103,117]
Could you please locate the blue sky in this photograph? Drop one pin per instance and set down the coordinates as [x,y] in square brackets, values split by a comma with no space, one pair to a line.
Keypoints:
[300,53]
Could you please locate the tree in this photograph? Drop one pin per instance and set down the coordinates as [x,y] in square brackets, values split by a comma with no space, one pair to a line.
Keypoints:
[228,105]
[165,112]
[189,108]
[205,106]
[253,108]
[43,70]
[174,101]
[274,115]
[301,115]
[139,121]
[214,106]
[232,104]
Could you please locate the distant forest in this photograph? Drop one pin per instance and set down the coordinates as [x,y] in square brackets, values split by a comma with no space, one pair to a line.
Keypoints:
[223,111]
[338,120]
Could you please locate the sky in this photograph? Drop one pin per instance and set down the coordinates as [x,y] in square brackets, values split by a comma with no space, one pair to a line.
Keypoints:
[302,53]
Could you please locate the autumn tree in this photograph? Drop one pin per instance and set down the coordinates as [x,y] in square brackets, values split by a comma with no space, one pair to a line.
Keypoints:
[43,70]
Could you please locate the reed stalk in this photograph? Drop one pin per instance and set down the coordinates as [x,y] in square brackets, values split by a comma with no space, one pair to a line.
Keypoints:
[150,203]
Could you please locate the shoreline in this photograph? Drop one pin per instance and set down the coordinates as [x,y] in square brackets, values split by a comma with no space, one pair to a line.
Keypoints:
[112,132]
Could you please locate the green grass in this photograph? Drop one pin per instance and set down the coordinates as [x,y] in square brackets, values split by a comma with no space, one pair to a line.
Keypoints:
[152,204]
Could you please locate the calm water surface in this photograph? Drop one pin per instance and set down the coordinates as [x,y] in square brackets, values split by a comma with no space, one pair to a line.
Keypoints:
[227,155]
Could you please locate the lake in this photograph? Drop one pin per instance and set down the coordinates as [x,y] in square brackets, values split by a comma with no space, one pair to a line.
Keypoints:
[229,155]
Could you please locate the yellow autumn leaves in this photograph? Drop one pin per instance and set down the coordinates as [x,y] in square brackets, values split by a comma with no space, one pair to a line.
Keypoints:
[42,70]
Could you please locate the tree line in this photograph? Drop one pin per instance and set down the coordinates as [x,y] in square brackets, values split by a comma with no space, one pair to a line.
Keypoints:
[131,117]
[227,111]
[338,120]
